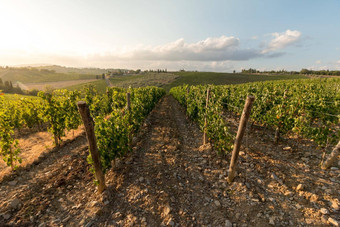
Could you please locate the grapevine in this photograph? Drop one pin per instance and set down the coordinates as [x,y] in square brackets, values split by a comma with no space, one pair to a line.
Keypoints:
[307,108]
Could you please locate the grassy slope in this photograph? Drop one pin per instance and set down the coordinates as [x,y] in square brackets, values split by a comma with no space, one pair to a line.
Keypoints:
[137,80]
[35,76]
[142,80]
[62,69]
[195,78]
[100,86]
[169,80]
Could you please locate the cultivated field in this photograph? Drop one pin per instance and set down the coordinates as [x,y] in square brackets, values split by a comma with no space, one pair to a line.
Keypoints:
[157,169]
[33,75]
[134,81]
[169,80]
[196,78]
[56,85]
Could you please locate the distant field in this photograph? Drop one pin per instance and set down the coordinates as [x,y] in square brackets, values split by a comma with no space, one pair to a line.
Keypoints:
[56,85]
[62,69]
[169,80]
[138,80]
[142,80]
[36,76]
[40,79]
[100,86]
[195,78]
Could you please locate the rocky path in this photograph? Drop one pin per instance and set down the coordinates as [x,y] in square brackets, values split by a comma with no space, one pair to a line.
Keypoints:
[165,182]
[171,180]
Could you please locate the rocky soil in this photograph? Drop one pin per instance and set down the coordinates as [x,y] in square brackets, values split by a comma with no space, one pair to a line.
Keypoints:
[170,179]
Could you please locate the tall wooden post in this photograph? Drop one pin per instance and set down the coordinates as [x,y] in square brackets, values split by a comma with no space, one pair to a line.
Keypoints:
[240,132]
[332,157]
[205,138]
[89,128]
[277,135]
[11,157]
[128,107]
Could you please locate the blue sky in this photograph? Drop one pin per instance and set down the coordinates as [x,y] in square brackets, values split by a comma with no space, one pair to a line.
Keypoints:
[193,34]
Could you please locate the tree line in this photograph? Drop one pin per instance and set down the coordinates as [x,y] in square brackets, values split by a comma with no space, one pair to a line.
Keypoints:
[8,87]
[302,71]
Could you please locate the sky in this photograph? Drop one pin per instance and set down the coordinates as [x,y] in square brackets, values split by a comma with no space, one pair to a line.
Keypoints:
[214,35]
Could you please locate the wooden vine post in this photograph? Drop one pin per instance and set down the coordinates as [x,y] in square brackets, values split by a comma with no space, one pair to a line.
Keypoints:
[56,140]
[11,157]
[332,157]
[277,135]
[240,132]
[205,138]
[89,128]
[128,107]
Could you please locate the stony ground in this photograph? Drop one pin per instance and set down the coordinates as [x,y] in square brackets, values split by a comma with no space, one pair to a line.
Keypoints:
[170,179]
[34,143]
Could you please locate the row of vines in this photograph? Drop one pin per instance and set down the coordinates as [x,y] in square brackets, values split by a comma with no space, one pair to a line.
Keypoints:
[305,108]
[58,112]
[115,124]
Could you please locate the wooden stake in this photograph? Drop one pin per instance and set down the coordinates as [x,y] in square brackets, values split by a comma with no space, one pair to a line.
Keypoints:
[89,128]
[128,107]
[332,157]
[205,138]
[277,135]
[56,141]
[243,123]
[11,157]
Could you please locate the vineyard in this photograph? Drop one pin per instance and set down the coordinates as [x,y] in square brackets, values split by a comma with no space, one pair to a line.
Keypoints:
[59,113]
[304,108]
[159,171]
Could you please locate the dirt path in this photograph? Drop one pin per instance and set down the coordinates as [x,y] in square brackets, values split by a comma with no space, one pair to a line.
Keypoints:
[108,82]
[171,180]
[163,183]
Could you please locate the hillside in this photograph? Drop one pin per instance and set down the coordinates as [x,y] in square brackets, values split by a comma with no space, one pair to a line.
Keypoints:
[196,78]
[63,69]
[47,76]
[169,80]
[33,75]
[170,179]
[134,80]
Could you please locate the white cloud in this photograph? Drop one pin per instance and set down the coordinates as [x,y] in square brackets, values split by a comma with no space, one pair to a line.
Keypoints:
[212,53]
[282,40]
[318,62]
[211,49]
[331,65]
